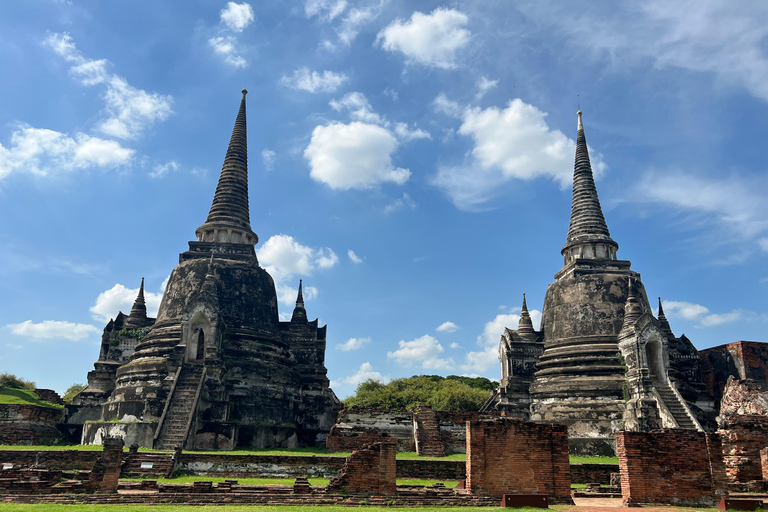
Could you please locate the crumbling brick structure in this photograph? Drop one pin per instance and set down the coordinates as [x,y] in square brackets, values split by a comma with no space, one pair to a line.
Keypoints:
[506,456]
[370,470]
[106,471]
[678,467]
[743,428]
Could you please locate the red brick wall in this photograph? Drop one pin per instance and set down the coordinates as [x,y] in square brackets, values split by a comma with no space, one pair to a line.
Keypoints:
[743,437]
[675,467]
[371,470]
[508,456]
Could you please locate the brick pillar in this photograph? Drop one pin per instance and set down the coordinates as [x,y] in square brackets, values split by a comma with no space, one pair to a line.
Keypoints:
[106,471]
[764,462]
[717,466]
[508,456]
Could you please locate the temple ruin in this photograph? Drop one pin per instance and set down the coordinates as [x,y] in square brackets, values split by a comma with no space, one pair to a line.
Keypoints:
[217,368]
[601,361]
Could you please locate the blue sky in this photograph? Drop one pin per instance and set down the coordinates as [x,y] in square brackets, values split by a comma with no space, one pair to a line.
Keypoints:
[411,161]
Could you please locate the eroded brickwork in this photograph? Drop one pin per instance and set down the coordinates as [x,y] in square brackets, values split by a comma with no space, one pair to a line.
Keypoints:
[29,424]
[677,467]
[371,470]
[106,471]
[508,456]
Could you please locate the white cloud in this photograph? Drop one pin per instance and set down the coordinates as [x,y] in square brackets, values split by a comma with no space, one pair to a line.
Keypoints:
[268,157]
[353,344]
[442,104]
[237,16]
[721,318]
[46,152]
[354,257]
[284,258]
[718,37]
[53,329]
[686,310]
[513,143]
[699,313]
[130,110]
[447,327]
[351,25]
[119,298]
[402,203]
[353,156]
[737,203]
[454,345]
[423,351]
[160,170]
[225,46]
[311,81]
[405,134]
[484,85]
[359,108]
[362,374]
[429,39]
[325,10]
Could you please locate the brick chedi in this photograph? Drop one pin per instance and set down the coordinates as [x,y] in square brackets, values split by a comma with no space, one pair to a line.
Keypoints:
[218,369]
[601,360]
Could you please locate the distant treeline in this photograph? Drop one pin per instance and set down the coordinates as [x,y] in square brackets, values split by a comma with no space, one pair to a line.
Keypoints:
[452,393]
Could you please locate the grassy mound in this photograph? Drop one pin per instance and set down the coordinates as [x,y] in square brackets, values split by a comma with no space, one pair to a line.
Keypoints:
[24,396]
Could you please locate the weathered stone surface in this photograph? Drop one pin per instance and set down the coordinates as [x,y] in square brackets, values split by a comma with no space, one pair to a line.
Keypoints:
[217,369]
[29,424]
[602,361]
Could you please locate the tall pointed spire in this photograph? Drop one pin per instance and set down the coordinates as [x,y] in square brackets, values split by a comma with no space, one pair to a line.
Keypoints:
[299,313]
[632,309]
[525,324]
[229,219]
[663,320]
[138,316]
[588,235]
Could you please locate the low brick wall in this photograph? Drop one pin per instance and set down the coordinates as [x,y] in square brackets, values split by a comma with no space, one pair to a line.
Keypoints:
[358,426]
[677,467]
[214,464]
[508,456]
[593,473]
[431,469]
[26,424]
[60,460]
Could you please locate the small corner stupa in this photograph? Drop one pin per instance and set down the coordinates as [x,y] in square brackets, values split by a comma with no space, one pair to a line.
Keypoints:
[601,362]
[217,369]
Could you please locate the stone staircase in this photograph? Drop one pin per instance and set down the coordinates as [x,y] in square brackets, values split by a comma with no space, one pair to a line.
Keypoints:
[175,426]
[430,442]
[675,407]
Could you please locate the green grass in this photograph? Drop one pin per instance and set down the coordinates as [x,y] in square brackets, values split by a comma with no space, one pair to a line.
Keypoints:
[24,396]
[575,459]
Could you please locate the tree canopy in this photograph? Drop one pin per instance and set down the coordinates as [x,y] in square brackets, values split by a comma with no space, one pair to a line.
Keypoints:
[452,393]
[9,380]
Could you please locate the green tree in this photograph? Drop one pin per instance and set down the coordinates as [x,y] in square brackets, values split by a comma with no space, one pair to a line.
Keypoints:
[453,393]
[71,391]
[9,380]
